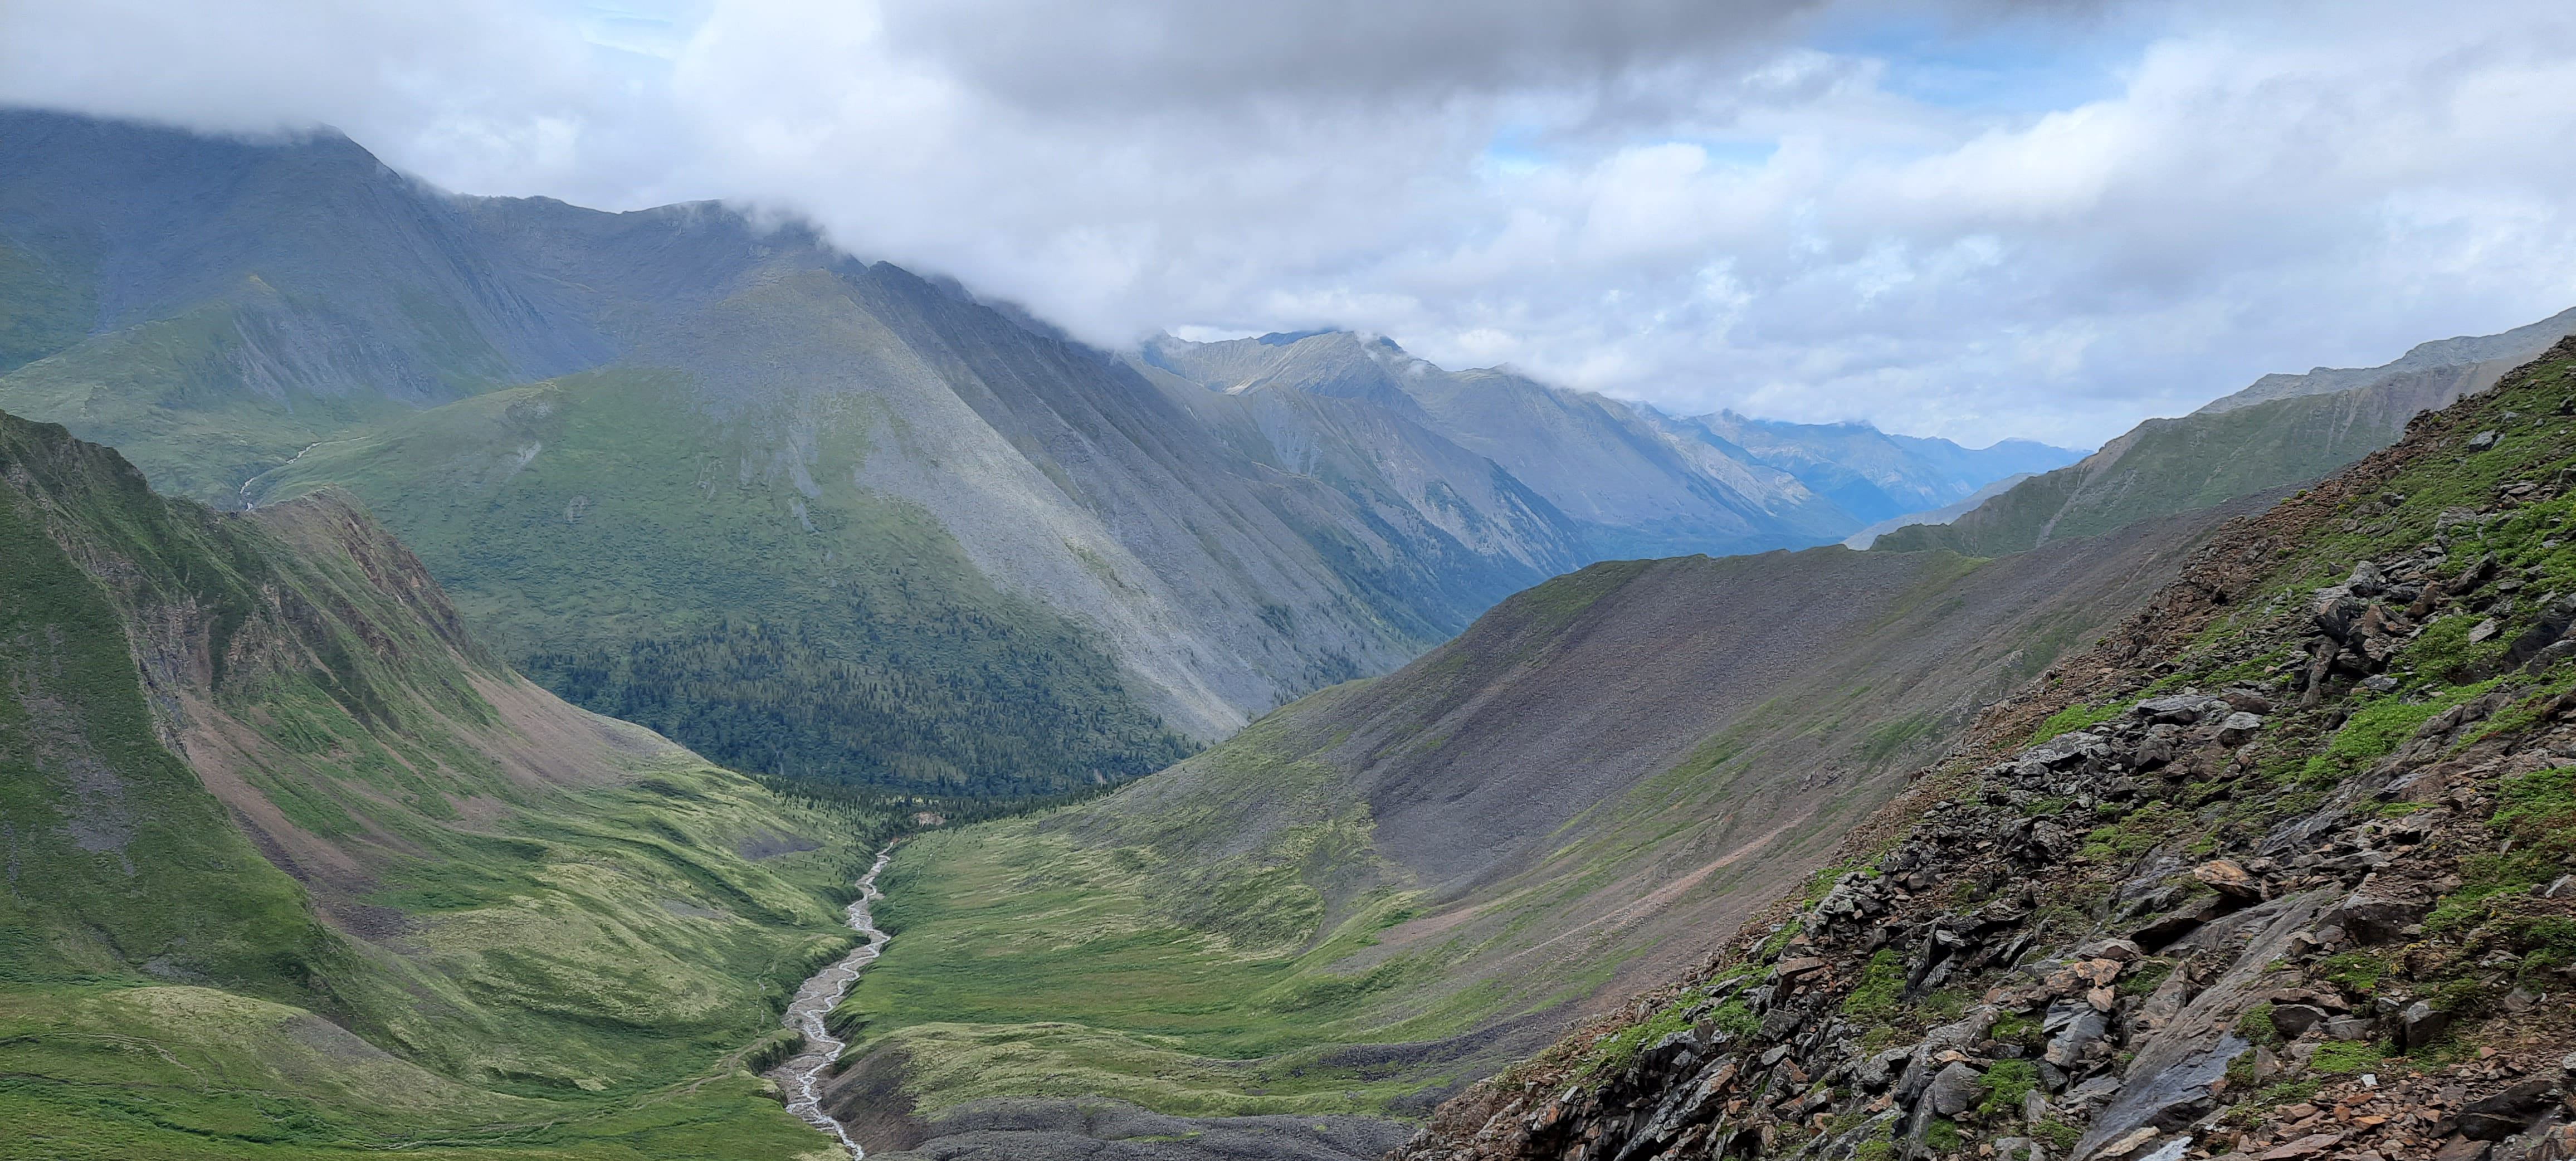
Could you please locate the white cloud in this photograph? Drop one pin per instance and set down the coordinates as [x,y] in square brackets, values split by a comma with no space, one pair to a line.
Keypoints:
[2028,220]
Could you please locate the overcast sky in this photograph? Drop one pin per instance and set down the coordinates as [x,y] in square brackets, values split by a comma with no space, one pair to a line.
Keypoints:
[2005,218]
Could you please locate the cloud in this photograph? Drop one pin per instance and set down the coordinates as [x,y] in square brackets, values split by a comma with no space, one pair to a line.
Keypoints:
[2000,219]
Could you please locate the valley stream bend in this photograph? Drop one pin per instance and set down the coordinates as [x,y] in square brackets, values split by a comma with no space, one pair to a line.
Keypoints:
[802,1076]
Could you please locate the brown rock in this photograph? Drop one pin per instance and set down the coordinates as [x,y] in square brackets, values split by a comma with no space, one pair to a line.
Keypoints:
[2230,880]
[2308,1146]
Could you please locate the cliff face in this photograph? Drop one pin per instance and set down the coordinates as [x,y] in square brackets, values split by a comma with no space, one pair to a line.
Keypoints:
[2277,869]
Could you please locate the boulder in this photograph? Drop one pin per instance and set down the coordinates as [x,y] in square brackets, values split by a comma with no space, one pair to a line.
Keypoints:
[2337,614]
[1954,1089]
[2367,580]
[2422,1024]
[2083,1027]
[2227,878]
[2248,701]
[2238,728]
[2509,1112]
[2180,709]
[2373,918]
[2293,1020]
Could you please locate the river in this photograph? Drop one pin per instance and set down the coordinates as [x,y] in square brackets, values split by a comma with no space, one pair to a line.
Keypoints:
[802,1077]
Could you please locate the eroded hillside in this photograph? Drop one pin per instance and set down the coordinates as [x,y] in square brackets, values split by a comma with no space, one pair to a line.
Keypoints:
[2277,869]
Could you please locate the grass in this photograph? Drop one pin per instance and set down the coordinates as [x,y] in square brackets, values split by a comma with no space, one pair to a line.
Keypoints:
[1881,989]
[2072,718]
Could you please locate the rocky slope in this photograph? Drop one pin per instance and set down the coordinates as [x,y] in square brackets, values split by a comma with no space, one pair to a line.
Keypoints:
[2282,430]
[294,865]
[2277,869]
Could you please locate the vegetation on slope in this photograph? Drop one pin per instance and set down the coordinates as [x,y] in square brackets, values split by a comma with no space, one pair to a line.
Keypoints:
[827,634]
[393,893]
[2177,465]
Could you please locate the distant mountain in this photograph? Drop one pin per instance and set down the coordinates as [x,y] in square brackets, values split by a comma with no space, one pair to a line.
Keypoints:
[2490,355]
[1869,474]
[296,867]
[807,514]
[2281,430]
[1629,488]
[1944,514]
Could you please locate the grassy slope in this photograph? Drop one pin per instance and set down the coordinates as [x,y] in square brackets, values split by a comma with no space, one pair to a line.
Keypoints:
[2176,465]
[542,926]
[1230,936]
[201,400]
[711,581]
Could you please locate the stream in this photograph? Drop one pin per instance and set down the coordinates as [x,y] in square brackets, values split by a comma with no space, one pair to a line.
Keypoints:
[802,1076]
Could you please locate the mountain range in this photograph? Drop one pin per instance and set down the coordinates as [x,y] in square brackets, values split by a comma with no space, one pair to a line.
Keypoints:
[1282,741]
[822,517]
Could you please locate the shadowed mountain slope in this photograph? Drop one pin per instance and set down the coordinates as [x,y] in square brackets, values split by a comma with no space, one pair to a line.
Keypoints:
[807,514]
[1376,892]
[294,865]
[2282,430]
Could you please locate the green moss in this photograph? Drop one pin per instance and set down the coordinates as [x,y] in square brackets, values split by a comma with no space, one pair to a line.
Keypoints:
[2002,1087]
[2375,730]
[2343,1057]
[2255,1025]
[2354,971]
[2074,717]
[1943,1135]
[1880,991]
[2144,978]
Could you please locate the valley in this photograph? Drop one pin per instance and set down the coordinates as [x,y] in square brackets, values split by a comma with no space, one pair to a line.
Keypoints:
[493,678]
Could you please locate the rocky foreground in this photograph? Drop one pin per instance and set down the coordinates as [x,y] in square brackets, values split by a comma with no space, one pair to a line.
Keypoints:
[2279,869]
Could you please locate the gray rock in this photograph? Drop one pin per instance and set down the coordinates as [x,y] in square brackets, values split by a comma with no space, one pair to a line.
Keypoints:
[2293,1020]
[2180,709]
[2084,1026]
[2238,728]
[1879,1071]
[2367,580]
[2422,1024]
[1954,1089]
[2482,440]
[2506,1113]
[2374,918]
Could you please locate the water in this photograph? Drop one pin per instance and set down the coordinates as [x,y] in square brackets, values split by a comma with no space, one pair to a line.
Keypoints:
[804,1074]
